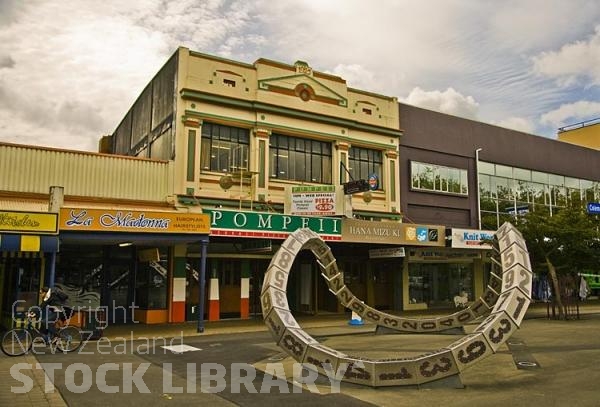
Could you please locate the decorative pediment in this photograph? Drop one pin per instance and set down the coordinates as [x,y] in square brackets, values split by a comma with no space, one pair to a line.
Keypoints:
[303,86]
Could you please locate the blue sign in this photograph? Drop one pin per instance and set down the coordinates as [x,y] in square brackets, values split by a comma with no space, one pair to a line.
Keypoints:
[373,182]
[593,208]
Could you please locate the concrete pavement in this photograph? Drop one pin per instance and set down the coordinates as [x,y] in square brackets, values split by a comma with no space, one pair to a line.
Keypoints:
[566,350]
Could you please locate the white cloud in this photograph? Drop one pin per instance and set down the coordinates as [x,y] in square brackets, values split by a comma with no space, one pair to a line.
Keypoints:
[356,76]
[516,123]
[535,25]
[74,74]
[70,69]
[571,113]
[578,61]
[449,101]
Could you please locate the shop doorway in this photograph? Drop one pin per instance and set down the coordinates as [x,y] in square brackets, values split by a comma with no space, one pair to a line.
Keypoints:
[302,284]
[383,274]
[118,284]
[258,269]
[436,284]
[21,284]
[192,291]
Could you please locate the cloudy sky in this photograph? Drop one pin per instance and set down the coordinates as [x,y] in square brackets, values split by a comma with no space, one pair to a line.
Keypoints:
[70,69]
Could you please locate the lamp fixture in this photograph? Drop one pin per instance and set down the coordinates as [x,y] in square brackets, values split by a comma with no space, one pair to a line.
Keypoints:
[125,244]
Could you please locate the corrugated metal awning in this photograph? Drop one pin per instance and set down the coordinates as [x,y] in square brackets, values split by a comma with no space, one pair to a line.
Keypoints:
[23,205]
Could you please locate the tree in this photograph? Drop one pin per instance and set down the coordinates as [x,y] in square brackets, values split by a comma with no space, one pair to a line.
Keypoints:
[565,243]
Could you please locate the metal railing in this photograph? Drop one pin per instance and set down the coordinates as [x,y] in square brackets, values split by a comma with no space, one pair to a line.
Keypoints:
[579,125]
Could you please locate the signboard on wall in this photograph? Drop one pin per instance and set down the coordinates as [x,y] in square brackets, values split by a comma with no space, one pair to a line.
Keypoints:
[593,208]
[442,254]
[269,225]
[314,200]
[112,220]
[28,222]
[364,231]
[471,239]
[386,253]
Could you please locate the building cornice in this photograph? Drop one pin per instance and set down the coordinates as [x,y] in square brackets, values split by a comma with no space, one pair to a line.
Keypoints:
[189,94]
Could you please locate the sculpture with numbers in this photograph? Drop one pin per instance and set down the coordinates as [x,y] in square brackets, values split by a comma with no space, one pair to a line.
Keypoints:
[506,299]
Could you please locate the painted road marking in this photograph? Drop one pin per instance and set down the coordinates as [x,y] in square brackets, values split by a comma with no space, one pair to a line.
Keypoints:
[180,348]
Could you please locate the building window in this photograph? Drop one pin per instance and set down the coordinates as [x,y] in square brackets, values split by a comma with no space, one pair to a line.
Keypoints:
[224,148]
[510,191]
[298,159]
[438,178]
[437,284]
[364,162]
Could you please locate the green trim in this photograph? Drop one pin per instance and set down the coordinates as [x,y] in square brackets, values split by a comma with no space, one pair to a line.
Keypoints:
[215,58]
[188,94]
[342,101]
[262,154]
[245,268]
[179,267]
[191,113]
[393,180]
[191,155]
[337,137]
[364,92]
[235,204]
[386,215]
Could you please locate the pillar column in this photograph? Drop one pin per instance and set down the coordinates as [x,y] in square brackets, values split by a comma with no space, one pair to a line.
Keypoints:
[178,284]
[245,291]
[214,307]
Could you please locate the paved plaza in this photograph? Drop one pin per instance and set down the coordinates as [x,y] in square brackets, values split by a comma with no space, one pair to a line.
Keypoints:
[566,352]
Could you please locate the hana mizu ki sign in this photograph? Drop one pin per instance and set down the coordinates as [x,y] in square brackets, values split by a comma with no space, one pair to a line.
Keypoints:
[269,225]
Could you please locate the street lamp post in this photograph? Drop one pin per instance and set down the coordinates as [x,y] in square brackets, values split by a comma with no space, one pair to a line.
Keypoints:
[202,285]
[478,189]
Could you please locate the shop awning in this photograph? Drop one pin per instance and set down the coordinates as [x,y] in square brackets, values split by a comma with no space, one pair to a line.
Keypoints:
[139,239]
[28,243]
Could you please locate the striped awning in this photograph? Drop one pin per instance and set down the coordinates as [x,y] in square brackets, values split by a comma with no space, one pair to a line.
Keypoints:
[28,243]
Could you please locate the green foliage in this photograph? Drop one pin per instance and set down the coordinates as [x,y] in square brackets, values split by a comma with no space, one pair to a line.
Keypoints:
[569,239]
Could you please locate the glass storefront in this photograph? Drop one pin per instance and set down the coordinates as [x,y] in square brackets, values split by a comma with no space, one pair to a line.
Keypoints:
[113,278]
[436,284]
[21,283]
[151,283]
[508,191]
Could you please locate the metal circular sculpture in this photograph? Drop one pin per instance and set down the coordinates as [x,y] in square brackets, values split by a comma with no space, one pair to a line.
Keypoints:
[507,298]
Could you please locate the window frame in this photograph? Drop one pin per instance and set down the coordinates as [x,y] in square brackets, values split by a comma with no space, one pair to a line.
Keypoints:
[215,136]
[300,159]
[368,161]
[443,179]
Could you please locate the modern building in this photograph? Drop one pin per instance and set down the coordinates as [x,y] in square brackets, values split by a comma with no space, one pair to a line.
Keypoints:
[585,133]
[472,177]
